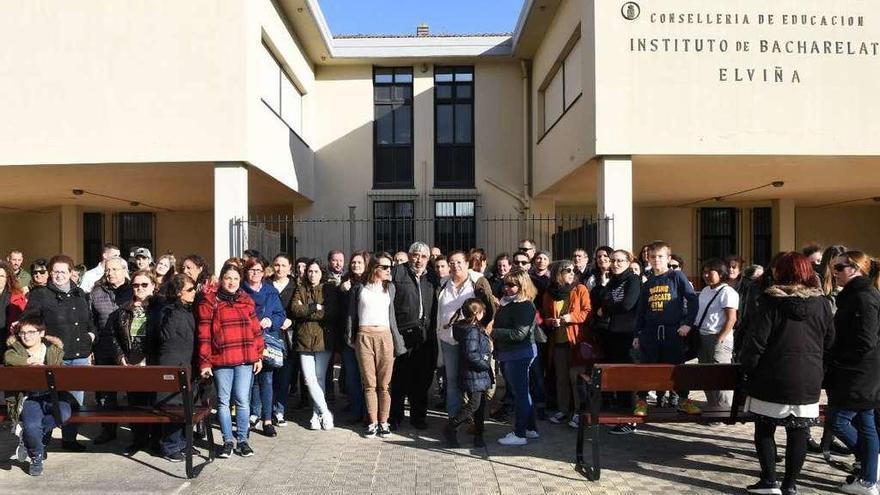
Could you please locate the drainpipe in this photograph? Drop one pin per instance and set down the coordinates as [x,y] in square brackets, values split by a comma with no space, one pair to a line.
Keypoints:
[525,68]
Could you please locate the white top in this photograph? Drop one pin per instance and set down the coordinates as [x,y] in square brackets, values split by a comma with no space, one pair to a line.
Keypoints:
[448,302]
[91,277]
[373,306]
[715,317]
[781,411]
[281,284]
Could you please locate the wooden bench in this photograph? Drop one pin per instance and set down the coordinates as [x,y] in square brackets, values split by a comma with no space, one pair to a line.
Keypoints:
[644,377]
[168,379]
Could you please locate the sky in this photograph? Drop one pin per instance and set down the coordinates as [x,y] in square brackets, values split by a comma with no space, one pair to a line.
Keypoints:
[402,16]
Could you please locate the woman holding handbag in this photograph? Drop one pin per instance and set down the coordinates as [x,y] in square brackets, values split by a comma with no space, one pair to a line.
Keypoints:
[270,313]
[565,310]
[231,350]
[314,338]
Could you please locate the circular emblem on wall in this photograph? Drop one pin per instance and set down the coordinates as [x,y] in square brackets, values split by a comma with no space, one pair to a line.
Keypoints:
[630,11]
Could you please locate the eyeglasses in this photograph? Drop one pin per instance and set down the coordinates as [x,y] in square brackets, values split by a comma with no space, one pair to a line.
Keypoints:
[29,334]
[521,263]
[383,267]
[56,272]
[841,266]
[143,285]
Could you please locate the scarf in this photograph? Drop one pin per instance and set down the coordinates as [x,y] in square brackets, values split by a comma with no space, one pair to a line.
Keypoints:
[229,297]
[560,292]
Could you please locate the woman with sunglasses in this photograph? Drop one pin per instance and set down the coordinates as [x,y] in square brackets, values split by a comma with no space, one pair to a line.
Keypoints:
[271,315]
[618,305]
[39,274]
[852,380]
[565,309]
[174,342]
[372,332]
[513,333]
[127,330]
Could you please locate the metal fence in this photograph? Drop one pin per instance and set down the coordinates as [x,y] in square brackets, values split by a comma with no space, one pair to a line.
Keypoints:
[314,237]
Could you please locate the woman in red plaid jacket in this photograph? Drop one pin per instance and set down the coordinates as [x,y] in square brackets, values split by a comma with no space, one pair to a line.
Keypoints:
[230,349]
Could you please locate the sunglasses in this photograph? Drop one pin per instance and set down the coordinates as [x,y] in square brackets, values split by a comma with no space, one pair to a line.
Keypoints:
[141,285]
[40,272]
[841,266]
[521,263]
[674,267]
[383,267]
[568,270]
[509,284]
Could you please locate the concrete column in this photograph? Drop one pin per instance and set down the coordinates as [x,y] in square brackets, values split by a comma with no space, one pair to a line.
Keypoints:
[783,225]
[72,233]
[230,204]
[615,201]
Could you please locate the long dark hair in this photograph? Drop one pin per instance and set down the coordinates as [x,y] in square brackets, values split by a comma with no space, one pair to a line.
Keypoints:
[11,286]
[171,289]
[200,262]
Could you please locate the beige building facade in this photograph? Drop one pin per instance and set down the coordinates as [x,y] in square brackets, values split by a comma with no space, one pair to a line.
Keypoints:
[733,128]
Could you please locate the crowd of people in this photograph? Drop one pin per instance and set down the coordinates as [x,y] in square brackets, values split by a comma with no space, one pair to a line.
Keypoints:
[395,323]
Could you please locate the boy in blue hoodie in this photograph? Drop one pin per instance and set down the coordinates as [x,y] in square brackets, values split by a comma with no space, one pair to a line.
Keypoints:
[666,310]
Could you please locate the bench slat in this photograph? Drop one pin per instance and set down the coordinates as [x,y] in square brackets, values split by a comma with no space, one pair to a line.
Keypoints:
[638,377]
[144,415]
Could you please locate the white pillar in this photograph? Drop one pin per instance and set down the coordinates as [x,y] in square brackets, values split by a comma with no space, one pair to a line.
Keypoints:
[230,204]
[614,200]
[783,225]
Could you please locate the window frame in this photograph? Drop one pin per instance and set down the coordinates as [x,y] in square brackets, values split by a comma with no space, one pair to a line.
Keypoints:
[762,238]
[124,244]
[732,236]
[411,145]
[559,68]
[470,180]
[279,112]
[397,221]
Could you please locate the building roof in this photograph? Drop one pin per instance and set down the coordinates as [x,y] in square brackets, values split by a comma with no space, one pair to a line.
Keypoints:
[437,35]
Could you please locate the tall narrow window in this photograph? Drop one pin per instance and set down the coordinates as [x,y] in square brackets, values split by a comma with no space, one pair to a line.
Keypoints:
[455,226]
[135,230]
[762,236]
[454,127]
[93,237]
[393,226]
[278,91]
[392,128]
[717,233]
[563,84]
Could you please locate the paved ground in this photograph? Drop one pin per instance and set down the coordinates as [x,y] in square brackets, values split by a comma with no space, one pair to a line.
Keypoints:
[657,460]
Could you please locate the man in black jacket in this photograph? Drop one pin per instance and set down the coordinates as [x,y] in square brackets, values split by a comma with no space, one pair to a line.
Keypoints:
[414,307]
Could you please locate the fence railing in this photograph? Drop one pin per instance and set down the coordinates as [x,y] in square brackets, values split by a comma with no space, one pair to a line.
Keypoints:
[314,237]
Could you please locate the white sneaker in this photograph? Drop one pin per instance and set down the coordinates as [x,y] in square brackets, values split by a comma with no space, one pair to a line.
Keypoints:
[254,419]
[532,434]
[315,422]
[557,418]
[512,439]
[327,421]
[279,420]
[859,487]
[575,420]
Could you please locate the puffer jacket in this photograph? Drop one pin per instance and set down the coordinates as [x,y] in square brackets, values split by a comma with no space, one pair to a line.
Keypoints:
[17,355]
[118,334]
[619,302]
[104,301]
[229,331]
[786,343]
[475,349]
[316,330]
[853,379]
[67,316]
[175,335]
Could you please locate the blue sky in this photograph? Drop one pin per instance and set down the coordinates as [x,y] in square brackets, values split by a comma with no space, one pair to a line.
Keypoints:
[402,16]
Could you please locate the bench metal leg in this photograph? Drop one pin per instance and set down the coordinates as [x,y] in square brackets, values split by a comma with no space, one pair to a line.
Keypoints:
[186,393]
[209,435]
[594,471]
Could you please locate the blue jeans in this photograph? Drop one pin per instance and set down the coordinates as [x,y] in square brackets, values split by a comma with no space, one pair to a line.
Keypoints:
[261,394]
[37,422]
[234,383]
[857,431]
[314,370]
[517,374]
[453,390]
[69,432]
[353,387]
[536,381]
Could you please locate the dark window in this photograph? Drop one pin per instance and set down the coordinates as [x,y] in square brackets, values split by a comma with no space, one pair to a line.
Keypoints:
[455,225]
[392,226]
[135,230]
[93,237]
[762,236]
[717,233]
[454,127]
[392,128]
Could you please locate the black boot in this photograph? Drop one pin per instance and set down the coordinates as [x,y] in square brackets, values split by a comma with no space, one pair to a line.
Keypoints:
[449,433]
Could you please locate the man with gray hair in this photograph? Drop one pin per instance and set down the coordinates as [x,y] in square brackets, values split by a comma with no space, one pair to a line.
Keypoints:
[415,301]
[92,276]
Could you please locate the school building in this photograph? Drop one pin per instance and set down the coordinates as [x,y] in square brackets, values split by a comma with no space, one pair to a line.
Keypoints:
[721,127]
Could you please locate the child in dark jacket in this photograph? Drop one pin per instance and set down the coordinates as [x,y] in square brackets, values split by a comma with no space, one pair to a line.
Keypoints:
[476,377]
